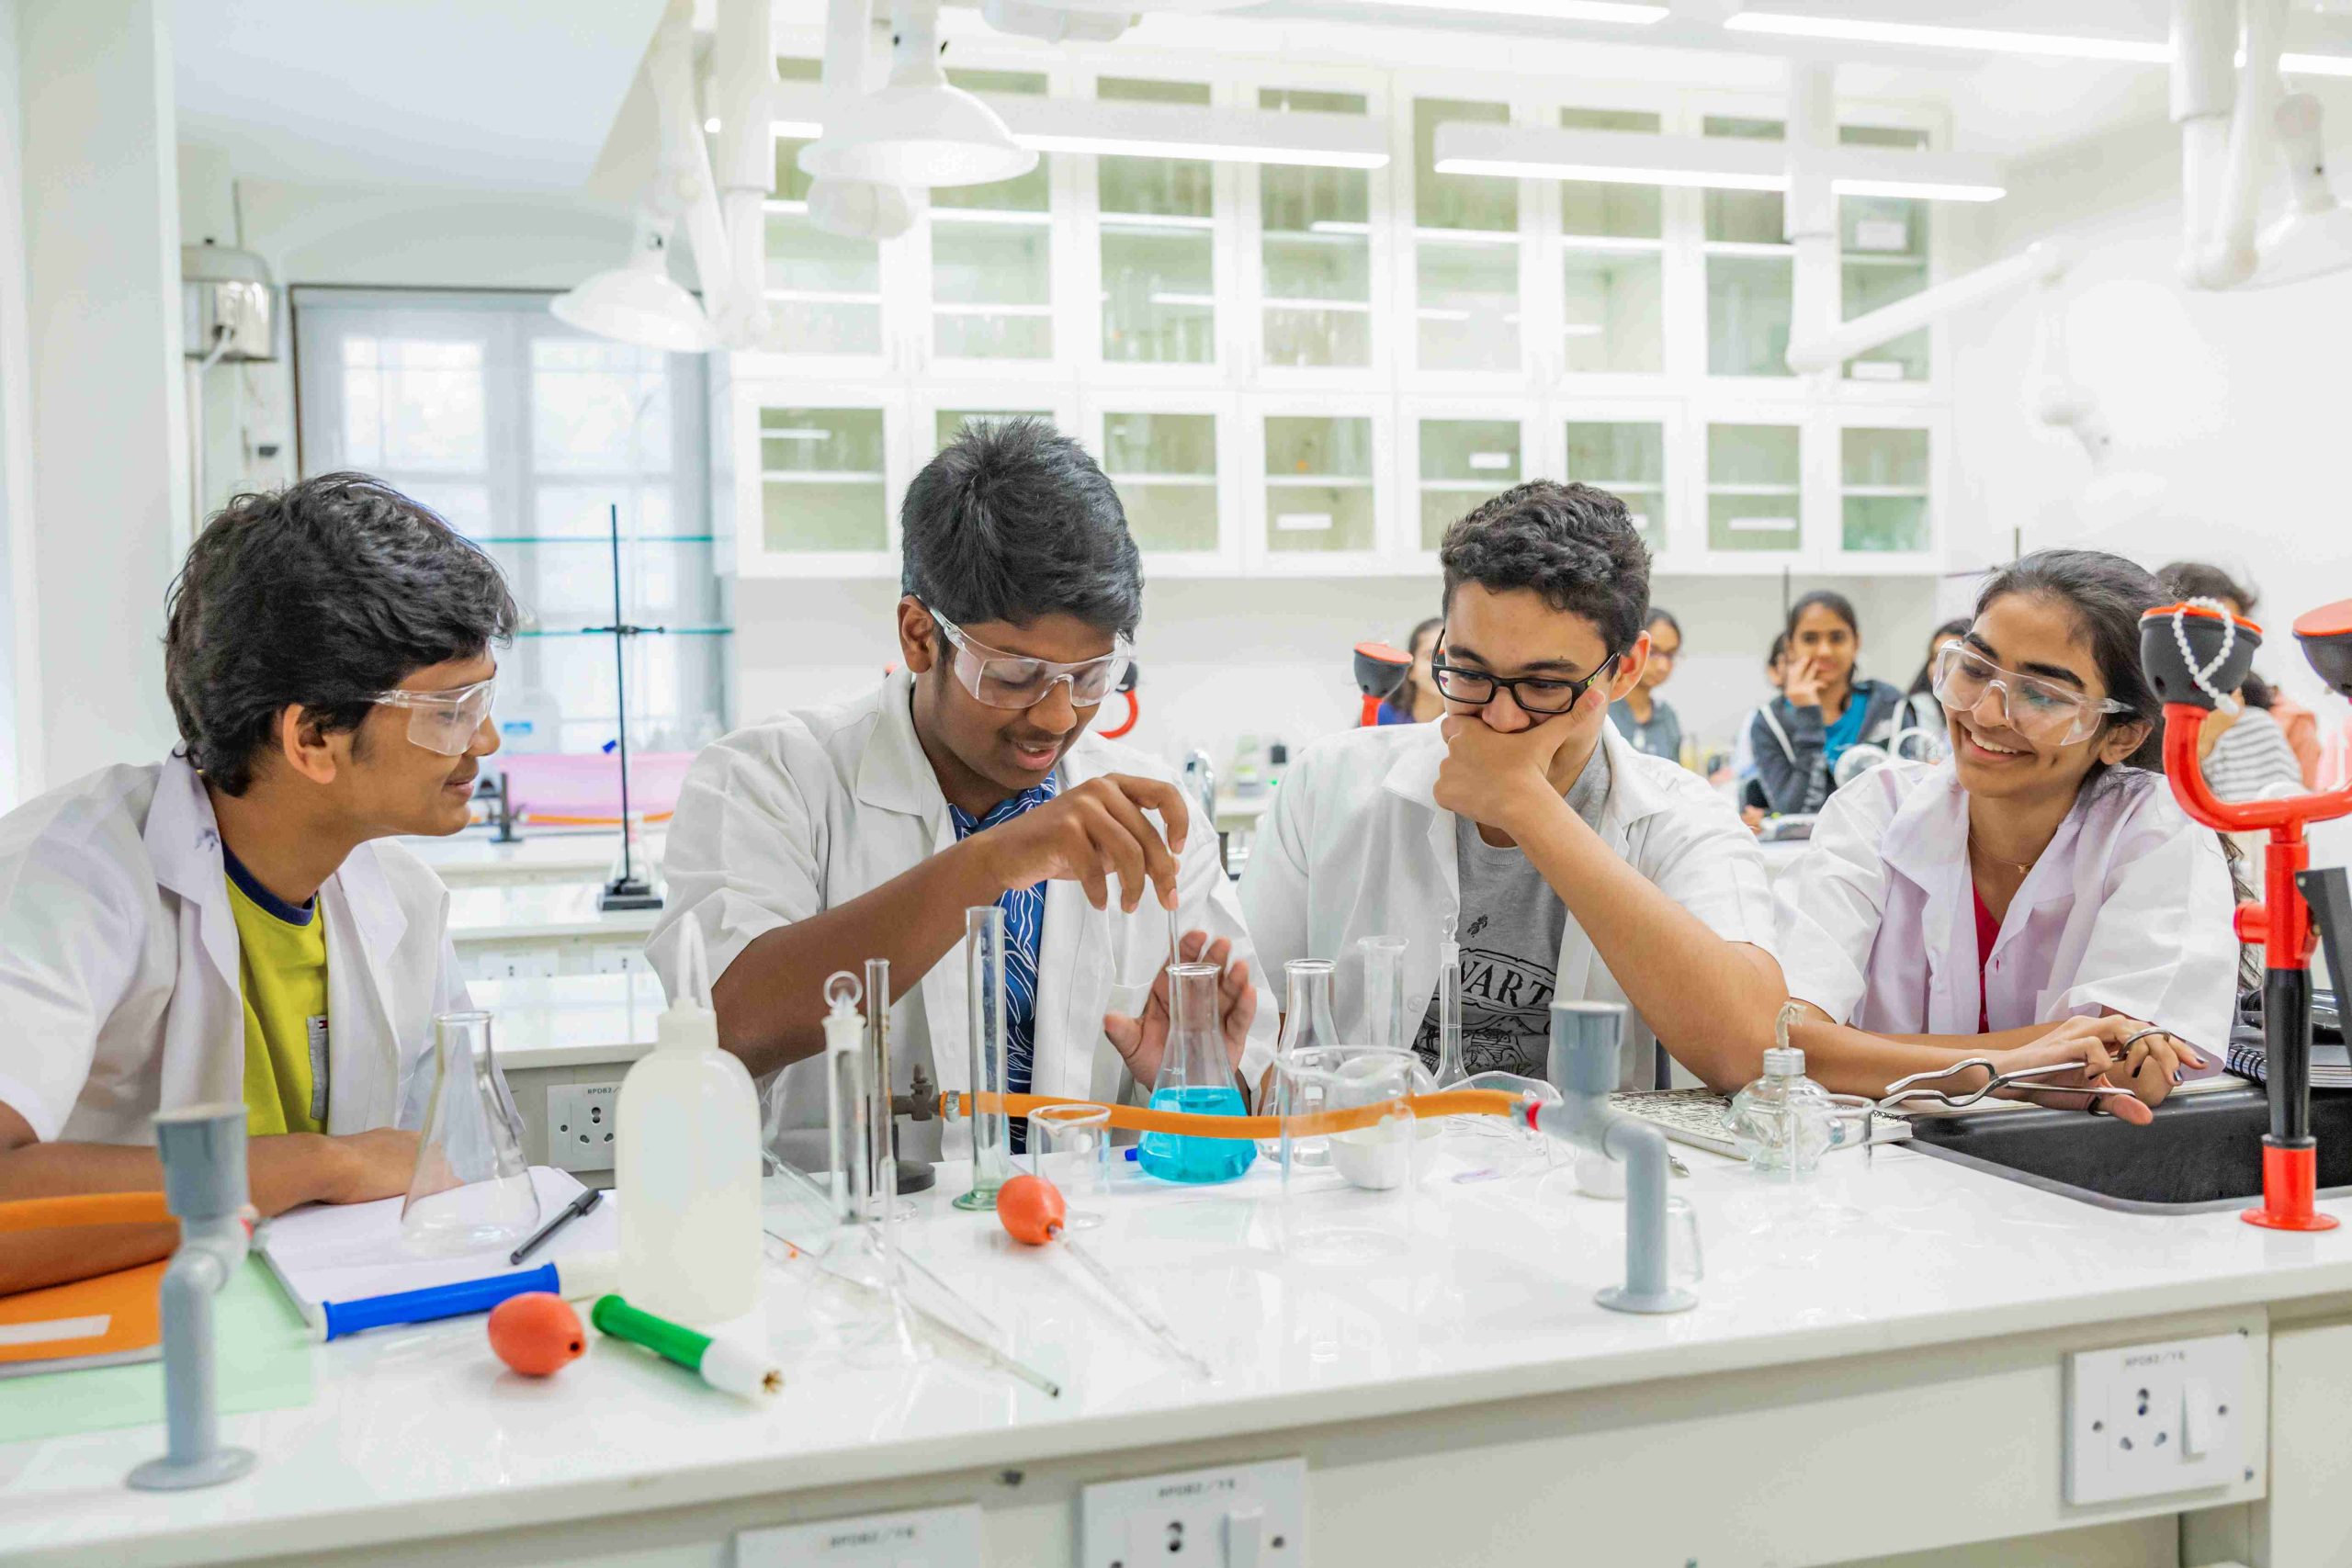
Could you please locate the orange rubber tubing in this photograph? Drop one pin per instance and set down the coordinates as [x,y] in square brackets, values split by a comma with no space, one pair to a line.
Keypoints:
[84,1209]
[1135,1118]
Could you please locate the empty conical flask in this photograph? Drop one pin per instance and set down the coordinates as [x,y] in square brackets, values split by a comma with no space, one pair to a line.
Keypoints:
[471,1189]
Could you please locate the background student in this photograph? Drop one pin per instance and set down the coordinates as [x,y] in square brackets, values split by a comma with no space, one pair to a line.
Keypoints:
[1570,864]
[969,776]
[1920,709]
[1823,707]
[1753,805]
[2270,746]
[2036,897]
[1642,716]
[1416,701]
[231,923]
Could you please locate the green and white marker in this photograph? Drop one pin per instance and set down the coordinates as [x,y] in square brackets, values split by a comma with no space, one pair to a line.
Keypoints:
[723,1365]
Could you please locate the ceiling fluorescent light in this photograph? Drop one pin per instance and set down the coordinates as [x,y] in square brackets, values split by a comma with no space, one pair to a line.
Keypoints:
[1858,30]
[1619,157]
[1549,10]
[1183,131]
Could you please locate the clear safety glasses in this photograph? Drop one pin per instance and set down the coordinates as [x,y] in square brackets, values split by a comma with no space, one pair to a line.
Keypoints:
[447,721]
[1010,681]
[2038,709]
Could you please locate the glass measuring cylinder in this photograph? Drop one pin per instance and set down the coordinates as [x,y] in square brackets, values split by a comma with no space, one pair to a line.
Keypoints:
[990,1043]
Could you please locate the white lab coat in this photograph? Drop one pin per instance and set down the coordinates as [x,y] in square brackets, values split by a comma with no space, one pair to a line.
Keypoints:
[118,964]
[1356,845]
[2128,911]
[785,820]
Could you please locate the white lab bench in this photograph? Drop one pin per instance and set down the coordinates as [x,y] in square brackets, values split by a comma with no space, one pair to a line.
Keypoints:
[473,859]
[570,1031]
[1877,1365]
[541,930]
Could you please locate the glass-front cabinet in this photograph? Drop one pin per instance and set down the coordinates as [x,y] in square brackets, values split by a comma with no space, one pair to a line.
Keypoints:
[1321,488]
[818,478]
[1623,451]
[824,291]
[1755,489]
[1167,454]
[1315,252]
[1462,457]
[992,252]
[1465,252]
[1613,263]
[1886,488]
[1882,251]
[1157,222]
[1750,266]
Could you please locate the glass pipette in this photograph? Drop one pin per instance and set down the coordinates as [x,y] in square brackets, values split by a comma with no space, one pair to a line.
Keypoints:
[1032,1211]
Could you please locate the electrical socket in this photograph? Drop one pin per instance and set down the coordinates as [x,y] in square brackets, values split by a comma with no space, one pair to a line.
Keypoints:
[1244,1516]
[581,1125]
[2146,1420]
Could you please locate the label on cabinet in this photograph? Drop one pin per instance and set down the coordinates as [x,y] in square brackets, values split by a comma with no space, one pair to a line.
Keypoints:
[1876,370]
[1881,234]
[1303,523]
[1490,461]
[936,1538]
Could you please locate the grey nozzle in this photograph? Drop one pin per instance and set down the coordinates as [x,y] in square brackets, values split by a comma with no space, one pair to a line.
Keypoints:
[203,1149]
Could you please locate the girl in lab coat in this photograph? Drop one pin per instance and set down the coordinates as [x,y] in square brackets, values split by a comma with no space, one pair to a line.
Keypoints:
[2037,896]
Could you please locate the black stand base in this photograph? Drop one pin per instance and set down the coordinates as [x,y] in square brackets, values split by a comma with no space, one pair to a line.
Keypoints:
[916,1176]
[628,893]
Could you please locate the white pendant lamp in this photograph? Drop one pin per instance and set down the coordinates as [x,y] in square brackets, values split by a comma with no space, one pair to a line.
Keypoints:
[918,131]
[639,303]
[865,211]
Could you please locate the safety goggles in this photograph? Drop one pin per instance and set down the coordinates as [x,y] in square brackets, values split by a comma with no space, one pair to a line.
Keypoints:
[2040,710]
[447,721]
[1535,695]
[1010,680]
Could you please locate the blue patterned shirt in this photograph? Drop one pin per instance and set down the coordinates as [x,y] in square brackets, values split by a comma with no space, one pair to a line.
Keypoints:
[1024,927]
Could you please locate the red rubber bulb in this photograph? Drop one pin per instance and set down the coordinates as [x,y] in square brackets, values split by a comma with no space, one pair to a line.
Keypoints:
[1031,1208]
[536,1333]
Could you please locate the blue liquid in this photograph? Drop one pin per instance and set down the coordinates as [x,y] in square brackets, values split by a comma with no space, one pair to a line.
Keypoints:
[1172,1158]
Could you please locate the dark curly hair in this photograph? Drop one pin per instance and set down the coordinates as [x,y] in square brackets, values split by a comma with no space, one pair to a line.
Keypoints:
[1570,543]
[316,596]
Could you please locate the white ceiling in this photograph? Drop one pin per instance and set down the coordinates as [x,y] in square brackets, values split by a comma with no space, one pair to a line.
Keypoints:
[492,93]
[520,94]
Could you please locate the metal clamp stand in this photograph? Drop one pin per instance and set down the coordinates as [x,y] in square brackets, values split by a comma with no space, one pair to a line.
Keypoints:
[203,1147]
[629,890]
[2195,654]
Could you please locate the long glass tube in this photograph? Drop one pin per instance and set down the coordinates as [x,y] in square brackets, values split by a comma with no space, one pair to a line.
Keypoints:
[990,1046]
[881,1157]
[1450,1068]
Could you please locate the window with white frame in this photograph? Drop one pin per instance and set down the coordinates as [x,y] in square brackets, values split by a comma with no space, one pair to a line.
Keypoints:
[527,434]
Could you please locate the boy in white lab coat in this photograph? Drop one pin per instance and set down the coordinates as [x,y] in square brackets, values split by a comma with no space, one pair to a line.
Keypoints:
[224,925]
[866,828]
[1570,864]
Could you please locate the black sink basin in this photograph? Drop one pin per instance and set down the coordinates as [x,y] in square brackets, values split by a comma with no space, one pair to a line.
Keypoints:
[2204,1151]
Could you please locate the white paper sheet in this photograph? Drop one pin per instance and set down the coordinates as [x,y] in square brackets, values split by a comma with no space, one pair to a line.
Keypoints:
[324,1252]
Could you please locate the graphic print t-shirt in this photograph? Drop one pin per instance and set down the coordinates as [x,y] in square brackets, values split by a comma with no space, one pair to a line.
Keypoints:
[1511,927]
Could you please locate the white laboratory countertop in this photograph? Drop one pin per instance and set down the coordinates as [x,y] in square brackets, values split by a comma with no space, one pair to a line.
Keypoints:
[417,1432]
[572,1021]
[540,912]
[473,858]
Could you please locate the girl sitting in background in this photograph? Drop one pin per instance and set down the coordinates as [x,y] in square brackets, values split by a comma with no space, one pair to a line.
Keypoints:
[1920,709]
[2036,897]
[1642,716]
[1823,710]
[1752,804]
[2270,746]
[1417,701]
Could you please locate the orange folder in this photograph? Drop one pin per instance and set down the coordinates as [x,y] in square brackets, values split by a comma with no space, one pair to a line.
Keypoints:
[114,1317]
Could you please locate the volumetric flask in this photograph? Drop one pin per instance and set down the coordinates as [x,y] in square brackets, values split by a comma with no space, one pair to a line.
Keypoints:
[1070,1146]
[990,1043]
[1195,1076]
[1359,1205]
[1383,992]
[471,1189]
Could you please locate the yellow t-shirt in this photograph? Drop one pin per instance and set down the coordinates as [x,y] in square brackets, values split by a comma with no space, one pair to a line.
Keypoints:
[282,970]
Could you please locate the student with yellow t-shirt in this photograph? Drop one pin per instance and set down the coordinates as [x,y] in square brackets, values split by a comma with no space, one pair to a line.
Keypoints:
[231,923]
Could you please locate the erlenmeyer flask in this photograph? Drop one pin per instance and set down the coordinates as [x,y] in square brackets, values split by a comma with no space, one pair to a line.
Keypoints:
[1195,1076]
[471,1189]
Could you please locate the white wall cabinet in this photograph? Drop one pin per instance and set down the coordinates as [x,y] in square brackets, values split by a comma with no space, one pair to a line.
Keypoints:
[1301,371]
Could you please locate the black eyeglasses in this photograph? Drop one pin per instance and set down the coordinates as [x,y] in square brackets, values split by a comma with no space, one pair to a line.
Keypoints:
[1534,693]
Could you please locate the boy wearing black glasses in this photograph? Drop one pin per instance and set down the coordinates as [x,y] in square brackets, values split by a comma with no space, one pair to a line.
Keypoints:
[865,830]
[1565,861]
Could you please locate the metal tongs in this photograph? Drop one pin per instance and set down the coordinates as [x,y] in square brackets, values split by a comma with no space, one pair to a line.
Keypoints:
[1903,1090]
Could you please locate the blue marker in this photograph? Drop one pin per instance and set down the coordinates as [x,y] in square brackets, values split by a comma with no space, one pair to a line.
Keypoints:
[591,1274]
